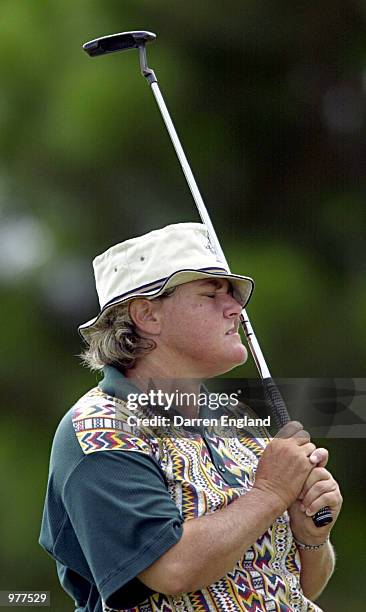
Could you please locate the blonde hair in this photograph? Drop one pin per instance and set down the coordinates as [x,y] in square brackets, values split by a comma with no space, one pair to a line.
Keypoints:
[114,339]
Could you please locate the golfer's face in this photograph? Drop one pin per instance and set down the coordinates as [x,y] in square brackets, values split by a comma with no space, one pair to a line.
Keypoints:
[200,328]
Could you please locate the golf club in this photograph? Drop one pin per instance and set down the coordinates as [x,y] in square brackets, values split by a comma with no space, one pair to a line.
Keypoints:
[137,40]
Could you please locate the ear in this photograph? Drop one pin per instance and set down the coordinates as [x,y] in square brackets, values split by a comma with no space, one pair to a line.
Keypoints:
[146,315]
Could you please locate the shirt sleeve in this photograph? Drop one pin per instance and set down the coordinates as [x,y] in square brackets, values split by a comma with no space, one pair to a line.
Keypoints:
[124,519]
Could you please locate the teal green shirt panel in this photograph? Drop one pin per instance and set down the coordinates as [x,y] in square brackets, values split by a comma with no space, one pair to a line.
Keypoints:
[123,516]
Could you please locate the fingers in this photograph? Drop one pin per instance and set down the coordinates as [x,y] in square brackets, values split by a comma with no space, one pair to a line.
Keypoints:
[331,498]
[317,474]
[293,429]
[320,490]
[308,448]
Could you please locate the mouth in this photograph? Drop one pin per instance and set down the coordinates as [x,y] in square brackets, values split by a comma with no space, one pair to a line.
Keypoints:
[232,331]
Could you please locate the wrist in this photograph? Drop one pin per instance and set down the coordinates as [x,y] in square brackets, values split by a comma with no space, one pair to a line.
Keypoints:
[304,530]
[272,501]
[305,546]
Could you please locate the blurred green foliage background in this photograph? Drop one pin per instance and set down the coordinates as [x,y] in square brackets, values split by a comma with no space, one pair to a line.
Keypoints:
[269,101]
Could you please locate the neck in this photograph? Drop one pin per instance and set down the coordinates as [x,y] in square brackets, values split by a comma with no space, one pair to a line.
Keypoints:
[146,376]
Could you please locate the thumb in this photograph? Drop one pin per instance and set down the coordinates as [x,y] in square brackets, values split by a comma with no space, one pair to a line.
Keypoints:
[319,457]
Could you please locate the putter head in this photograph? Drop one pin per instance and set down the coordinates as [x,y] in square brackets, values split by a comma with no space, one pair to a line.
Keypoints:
[118,42]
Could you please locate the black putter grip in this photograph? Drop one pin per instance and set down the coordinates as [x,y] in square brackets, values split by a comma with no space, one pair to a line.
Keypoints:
[275,402]
[280,417]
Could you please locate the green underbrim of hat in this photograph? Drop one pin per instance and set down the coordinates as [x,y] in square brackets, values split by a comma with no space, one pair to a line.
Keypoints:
[243,289]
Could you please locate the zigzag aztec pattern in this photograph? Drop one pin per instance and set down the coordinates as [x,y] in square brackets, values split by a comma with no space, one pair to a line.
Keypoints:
[100,424]
[267,578]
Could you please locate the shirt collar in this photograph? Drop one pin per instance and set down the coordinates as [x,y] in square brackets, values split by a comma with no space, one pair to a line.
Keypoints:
[116,384]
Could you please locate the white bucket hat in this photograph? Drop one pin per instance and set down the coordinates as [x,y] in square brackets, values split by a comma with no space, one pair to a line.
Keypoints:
[148,265]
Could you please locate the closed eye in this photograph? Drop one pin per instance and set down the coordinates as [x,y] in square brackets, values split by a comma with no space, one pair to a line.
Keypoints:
[213,295]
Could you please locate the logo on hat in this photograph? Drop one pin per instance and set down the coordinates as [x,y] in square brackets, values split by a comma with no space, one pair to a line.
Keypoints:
[209,246]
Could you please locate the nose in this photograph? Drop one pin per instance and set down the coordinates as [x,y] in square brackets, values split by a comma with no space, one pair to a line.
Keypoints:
[232,308]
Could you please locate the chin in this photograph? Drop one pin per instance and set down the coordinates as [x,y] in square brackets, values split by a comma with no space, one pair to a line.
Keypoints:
[241,355]
[237,358]
[238,353]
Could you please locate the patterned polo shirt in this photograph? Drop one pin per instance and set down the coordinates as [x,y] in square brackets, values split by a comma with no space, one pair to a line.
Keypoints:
[117,498]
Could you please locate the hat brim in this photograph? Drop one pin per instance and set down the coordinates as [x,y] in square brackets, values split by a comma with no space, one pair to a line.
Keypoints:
[243,287]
